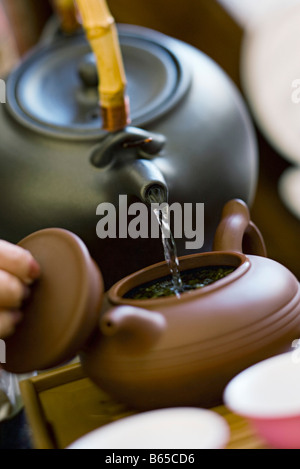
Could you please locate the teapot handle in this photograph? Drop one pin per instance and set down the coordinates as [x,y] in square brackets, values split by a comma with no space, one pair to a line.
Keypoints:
[236,231]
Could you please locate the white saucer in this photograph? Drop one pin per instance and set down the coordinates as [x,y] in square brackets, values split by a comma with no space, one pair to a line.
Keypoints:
[270,66]
[178,428]
[289,190]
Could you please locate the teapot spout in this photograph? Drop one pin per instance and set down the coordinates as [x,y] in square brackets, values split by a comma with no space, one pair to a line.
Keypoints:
[134,329]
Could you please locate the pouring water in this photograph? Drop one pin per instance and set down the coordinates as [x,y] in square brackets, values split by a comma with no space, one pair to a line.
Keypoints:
[156,197]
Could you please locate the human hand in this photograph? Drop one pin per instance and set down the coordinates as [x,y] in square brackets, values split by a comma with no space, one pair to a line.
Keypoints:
[18,270]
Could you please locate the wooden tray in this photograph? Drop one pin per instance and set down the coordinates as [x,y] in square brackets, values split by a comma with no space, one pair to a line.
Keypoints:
[63,405]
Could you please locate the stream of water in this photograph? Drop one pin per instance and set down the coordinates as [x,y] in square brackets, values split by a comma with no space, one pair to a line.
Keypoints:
[161,209]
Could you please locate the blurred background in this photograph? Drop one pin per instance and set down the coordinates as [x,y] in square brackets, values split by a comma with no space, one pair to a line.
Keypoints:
[218,28]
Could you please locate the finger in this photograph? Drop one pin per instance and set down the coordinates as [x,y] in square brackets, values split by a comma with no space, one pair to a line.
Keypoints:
[19,262]
[12,291]
[8,322]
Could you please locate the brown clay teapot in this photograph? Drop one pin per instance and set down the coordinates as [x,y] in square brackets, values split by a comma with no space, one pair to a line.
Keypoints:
[168,351]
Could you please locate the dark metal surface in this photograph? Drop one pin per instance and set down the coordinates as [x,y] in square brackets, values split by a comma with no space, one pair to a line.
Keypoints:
[210,157]
[54,91]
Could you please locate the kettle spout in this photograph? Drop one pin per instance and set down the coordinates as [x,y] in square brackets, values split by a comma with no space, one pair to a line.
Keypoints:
[130,152]
[142,176]
[136,330]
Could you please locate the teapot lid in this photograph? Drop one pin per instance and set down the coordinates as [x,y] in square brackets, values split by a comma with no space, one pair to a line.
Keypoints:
[63,309]
[55,90]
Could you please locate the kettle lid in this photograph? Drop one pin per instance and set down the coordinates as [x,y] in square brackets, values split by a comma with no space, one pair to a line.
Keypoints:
[63,309]
[55,89]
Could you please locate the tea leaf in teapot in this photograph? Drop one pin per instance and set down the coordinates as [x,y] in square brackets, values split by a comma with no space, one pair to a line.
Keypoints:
[191,280]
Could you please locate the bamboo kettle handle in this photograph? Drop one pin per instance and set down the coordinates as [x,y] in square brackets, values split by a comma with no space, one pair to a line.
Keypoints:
[236,231]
